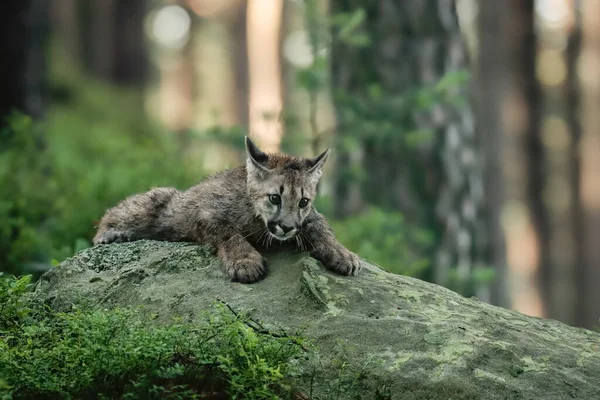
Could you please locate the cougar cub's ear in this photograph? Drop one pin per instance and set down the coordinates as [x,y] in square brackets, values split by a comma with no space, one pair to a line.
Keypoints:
[257,160]
[317,163]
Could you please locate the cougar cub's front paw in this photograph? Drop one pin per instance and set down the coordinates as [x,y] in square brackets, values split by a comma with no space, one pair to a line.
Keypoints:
[112,236]
[247,270]
[342,261]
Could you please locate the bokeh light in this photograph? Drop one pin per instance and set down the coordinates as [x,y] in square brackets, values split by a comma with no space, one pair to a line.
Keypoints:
[170,27]
[551,68]
[554,14]
[555,133]
[296,49]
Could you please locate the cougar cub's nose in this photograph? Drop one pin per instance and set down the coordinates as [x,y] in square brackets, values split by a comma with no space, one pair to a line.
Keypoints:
[286,228]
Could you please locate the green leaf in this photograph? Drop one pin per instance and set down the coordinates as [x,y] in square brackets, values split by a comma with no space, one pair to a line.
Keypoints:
[353,21]
[452,80]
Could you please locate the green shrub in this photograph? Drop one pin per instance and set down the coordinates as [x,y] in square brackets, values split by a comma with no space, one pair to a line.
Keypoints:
[14,305]
[57,179]
[89,353]
[384,238]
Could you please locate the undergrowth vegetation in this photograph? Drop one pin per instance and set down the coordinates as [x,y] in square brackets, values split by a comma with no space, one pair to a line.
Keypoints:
[87,353]
[58,178]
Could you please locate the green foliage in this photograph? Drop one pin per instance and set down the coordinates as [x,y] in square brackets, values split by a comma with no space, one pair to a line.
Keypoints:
[387,121]
[384,238]
[14,307]
[57,179]
[349,25]
[468,283]
[89,353]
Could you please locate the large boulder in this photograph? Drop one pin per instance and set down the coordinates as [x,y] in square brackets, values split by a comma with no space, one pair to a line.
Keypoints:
[377,335]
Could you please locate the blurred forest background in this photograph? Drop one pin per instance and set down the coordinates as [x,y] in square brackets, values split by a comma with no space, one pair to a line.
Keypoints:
[465,133]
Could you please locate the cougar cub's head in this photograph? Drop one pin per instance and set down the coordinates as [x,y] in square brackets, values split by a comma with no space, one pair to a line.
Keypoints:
[282,188]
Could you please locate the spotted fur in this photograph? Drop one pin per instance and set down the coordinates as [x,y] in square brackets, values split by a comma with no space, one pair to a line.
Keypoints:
[239,212]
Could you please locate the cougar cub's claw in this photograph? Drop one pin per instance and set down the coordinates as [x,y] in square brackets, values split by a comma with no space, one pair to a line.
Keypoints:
[247,270]
[111,236]
[344,262]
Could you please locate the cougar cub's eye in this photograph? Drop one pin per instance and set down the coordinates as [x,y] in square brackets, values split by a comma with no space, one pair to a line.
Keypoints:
[275,199]
[303,202]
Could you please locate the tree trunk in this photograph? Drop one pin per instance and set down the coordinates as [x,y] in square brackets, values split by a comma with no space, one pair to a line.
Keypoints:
[493,69]
[265,91]
[130,59]
[101,43]
[439,184]
[526,61]
[560,131]
[240,55]
[573,104]
[22,50]
[115,36]
[526,231]
[589,272]
[67,29]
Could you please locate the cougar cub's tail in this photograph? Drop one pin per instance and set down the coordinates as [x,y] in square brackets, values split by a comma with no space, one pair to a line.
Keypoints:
[137,217]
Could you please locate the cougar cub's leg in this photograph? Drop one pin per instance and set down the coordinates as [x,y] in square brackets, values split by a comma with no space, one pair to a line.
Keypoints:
[327,249]
[137,217]
[242,261]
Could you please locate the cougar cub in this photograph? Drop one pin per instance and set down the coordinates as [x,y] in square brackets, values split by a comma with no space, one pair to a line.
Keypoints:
[238,212]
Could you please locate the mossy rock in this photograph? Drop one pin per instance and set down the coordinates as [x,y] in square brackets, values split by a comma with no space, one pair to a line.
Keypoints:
[378,335]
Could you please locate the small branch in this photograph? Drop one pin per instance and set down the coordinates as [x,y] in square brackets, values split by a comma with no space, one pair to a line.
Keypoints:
[259,328]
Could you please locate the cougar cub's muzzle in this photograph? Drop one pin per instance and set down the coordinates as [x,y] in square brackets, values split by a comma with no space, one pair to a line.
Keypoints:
[281,231]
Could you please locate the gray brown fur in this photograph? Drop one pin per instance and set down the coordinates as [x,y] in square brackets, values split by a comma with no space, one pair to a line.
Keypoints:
[232,212]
